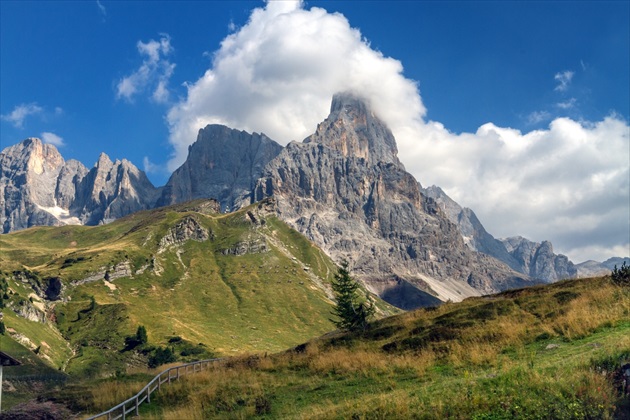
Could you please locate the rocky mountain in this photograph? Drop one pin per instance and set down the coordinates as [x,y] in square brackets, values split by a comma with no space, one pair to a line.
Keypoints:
[345,189]
[223,164]
[536,260]
[539,260]
[38,187]
[592,268]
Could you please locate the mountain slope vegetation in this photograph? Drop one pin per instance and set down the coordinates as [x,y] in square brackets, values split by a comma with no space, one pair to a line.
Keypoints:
[200,282]
[551,351]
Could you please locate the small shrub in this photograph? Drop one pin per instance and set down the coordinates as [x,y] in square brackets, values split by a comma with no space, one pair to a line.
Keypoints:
[141,335]
[162,356]
[191,351]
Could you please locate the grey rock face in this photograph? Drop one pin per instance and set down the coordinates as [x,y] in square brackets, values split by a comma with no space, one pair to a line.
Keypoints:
[592,268]
[29,178]
[111,190]
[530,258]
[37,187]
[223,164]
[471,229]
[345,189]
[538,259]
[187,229]
[354,130]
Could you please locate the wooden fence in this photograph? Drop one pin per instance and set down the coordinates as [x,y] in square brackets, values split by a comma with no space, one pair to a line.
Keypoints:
[132,405]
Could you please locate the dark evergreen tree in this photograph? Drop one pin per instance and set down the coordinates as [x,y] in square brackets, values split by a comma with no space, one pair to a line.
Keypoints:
[141,335]
[352,310]
[621,276]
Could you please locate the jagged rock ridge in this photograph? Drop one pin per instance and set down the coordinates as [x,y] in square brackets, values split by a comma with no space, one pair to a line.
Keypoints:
[38,187]
[536,260]
[345,189]
[592,268]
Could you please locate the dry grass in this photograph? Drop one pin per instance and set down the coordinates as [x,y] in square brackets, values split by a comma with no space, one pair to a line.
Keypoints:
[109,394]
[591,310]
[483,357]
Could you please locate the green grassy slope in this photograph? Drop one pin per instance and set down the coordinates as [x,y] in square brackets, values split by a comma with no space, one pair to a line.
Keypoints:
[253,285]
[543,352]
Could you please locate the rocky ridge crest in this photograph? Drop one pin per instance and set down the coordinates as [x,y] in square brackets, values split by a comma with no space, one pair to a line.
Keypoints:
[536,260]
[38,187]
[345,189]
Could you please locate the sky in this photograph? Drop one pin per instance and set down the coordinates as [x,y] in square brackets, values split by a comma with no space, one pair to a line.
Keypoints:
[516,109]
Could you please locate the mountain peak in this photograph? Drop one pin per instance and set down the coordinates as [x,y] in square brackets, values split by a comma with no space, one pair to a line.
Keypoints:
[31,142]
[350,101]
[355,131]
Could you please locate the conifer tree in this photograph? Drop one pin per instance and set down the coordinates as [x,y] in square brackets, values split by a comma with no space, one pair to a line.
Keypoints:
[352,310]
[141,335]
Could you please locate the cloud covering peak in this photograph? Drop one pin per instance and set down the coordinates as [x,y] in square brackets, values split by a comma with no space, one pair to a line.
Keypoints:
[568,183]
[278,73]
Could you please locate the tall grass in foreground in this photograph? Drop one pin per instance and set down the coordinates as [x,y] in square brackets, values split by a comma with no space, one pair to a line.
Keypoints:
[536,353]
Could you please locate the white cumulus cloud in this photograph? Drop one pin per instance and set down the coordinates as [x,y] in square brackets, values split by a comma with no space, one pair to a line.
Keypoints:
[52,138]
[277,74]
[20,112]
[153,74]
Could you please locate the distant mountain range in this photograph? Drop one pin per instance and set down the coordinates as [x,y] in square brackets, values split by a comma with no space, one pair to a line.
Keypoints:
[343,188]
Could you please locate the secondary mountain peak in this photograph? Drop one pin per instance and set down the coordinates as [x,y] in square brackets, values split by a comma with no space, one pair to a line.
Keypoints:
[38,187]
[224,164]
[353,129]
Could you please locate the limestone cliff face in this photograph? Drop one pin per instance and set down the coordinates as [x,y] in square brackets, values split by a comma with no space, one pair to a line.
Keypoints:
[536,260]
[345,189]
[111,190]
[30,172]
[38,187]
[223,164]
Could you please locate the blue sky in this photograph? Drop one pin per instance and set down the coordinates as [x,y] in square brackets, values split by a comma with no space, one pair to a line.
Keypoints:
[495,92]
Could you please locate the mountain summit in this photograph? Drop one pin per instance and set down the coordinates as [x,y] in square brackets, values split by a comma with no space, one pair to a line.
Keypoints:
[345,189]
[38,187]
[223,164]
[354,130]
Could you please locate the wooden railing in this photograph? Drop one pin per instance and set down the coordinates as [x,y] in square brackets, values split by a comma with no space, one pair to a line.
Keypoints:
[132,405]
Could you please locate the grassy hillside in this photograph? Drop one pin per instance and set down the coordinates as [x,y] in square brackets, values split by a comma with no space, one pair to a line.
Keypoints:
[544,352]
[202,283]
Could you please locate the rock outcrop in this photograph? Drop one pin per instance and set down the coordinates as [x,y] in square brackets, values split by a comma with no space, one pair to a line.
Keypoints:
[223,164]
[38,187]
[188,229]
[345,189]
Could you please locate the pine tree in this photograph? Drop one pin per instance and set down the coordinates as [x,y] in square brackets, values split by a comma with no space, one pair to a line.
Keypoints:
[141,335]
[353,311]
